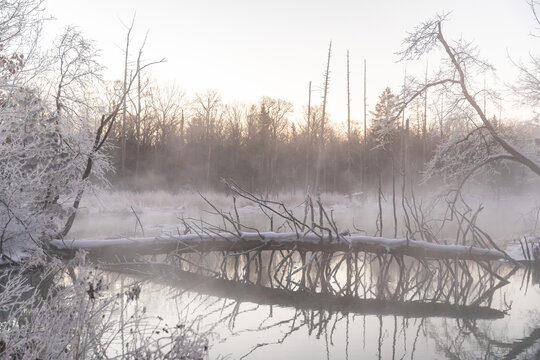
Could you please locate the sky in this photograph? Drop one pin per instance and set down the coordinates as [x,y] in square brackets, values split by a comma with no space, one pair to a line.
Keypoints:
[247,49]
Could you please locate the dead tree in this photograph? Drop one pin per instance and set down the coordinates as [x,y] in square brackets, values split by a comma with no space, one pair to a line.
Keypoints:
[309,135]
[364,166]
[349,129]
[323,120]
[124,107]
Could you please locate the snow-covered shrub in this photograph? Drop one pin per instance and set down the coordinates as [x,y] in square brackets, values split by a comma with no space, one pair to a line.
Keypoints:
[48,314]
[41,161]
[48,137]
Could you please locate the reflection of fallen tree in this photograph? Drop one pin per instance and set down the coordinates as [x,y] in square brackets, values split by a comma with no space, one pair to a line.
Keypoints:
[524,344]
[250,241]
[300,299]
[464,340]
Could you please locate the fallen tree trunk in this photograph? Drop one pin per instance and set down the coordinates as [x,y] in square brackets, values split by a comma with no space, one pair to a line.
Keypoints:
[246,241]
[262,295]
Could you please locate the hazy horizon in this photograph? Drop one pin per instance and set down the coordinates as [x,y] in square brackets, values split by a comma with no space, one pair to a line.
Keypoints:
[249,49]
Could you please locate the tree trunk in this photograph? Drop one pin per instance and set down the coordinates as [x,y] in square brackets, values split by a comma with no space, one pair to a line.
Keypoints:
[246,241]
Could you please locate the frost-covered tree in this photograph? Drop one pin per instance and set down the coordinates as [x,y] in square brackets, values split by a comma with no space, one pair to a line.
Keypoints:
[41,166]
[384,120]
[456,78]
[30,142]
[52,127]
[467,148]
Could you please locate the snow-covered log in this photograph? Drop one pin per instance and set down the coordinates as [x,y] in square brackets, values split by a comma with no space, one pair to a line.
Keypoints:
[246,241]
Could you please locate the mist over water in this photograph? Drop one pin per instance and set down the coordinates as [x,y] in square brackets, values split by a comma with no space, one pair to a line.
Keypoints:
[506,214]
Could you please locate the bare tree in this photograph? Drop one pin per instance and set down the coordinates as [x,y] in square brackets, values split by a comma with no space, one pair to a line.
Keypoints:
[349,127]
[277,110]
[124,110]
[208,108]
[323,119]
[463,62]
[528,84]
[77,69]
[167,104]
[309,135]
[325,92]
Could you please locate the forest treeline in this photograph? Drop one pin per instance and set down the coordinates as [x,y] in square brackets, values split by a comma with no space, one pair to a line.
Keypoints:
[168,141]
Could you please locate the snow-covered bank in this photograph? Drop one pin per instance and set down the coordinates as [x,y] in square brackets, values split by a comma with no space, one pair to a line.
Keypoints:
[524,248]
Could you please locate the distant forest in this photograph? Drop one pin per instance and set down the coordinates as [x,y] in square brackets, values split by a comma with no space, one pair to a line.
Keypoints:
[167,141]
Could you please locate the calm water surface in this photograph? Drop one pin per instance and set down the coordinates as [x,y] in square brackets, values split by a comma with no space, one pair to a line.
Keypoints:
[245,320]
[258,329]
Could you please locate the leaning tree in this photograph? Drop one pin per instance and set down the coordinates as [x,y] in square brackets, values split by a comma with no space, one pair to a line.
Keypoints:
[483,141]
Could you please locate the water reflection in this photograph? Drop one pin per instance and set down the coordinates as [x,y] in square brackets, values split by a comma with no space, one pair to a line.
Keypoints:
[281,304]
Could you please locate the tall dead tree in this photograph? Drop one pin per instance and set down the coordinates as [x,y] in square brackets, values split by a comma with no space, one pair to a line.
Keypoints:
[364,167]
[124,109]
[424,119]
[325,94]
[349,156]
[323,118]
[348,102]
[137,119]
[309,134]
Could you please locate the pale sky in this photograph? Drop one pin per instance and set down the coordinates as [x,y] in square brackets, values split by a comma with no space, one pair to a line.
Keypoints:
[247,49]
